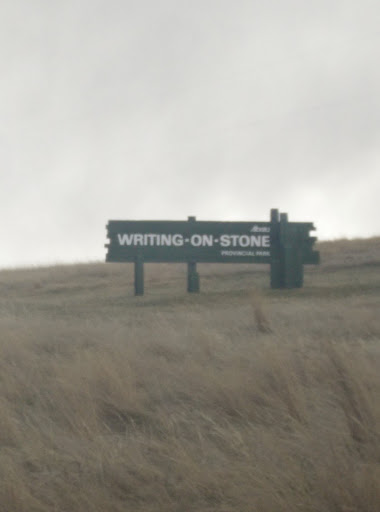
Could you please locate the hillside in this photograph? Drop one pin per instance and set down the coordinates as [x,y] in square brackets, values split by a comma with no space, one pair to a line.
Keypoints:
[237,399]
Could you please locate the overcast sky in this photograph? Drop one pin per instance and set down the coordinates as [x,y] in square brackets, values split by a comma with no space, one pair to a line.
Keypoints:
[161,109]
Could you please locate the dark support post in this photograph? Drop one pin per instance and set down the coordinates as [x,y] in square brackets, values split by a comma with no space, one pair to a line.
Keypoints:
[287,252]
[293,266]
[298,278]
[292,255]
[192,277]
[139,276]
[276,269]
[192,274]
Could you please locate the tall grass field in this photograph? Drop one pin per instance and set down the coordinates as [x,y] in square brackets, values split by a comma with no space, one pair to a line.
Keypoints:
[237,399]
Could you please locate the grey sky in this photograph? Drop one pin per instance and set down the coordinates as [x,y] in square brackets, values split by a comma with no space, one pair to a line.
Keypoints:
[160,109]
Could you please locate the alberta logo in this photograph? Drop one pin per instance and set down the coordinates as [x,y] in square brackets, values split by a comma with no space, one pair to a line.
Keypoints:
[260,229]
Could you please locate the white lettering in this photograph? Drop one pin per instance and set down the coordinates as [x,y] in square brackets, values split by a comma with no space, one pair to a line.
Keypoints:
[139,239]
[177,240]
[225,241]
[244,241]
[260,229]
[256,241]
[234,240]
[149,239]
[245,253]
[166,239]
[196,240]
[125,239]
[207,240]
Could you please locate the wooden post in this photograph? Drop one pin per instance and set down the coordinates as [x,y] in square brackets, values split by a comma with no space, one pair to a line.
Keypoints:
[287,252]
[192,277]
[192,274]
[276,270]
[292,255]
[139,276]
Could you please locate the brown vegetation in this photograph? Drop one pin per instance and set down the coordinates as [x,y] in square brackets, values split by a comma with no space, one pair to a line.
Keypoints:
[238,399]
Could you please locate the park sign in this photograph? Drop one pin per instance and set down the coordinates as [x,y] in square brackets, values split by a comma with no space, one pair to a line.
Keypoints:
[184,241]
[286,246]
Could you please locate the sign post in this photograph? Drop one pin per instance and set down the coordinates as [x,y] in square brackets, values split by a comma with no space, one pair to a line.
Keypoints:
[192,277]
[276,271]
[285,246]
[192,274]
[139,275]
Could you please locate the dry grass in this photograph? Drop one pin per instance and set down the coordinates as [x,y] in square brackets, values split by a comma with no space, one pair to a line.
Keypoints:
[234,400]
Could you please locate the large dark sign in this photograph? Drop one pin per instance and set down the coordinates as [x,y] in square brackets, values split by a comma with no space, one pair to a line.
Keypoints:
[177,241]
[285,245]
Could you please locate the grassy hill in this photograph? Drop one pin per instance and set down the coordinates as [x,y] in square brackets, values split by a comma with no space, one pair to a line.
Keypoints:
[238,399]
